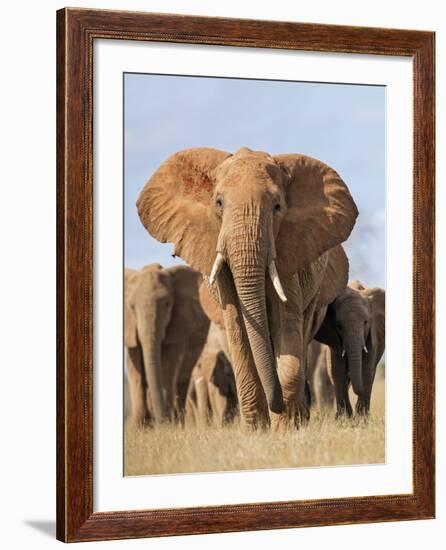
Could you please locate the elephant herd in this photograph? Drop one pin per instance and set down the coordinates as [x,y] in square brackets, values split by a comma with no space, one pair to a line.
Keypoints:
[263,312]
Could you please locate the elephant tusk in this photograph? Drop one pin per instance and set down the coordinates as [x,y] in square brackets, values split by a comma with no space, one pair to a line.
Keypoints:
[276,281]
[218,264]
[365,348]
[343,353]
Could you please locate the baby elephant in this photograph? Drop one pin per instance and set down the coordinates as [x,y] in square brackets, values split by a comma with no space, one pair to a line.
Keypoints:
[212,397]
[165,330]
[354,328]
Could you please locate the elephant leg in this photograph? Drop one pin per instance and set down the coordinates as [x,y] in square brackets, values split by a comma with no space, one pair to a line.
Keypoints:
[363,402]
[299,326]
[202,401]
[190,408]
[311,381]
[172,355]
[286,329]
[363,405]
[324,388]
[291,371]
[180,399]
[218,403]
[183,379]
[338,370]
[251,397]
[137,386]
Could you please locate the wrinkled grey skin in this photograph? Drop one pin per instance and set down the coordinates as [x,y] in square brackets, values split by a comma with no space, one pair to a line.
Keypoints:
[354,328]
[212,395]
[165,330]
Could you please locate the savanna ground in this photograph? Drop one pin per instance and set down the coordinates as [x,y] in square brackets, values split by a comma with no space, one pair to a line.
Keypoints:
[323,442]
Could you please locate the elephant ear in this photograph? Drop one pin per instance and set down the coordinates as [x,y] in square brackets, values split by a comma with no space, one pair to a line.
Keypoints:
[185,281]
[187,314]
[175,205]
[335,276]
[130,336]
[333,284]
[320,213]
[377,301]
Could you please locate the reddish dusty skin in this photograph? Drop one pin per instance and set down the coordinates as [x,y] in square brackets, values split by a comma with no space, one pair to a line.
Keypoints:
[253,209]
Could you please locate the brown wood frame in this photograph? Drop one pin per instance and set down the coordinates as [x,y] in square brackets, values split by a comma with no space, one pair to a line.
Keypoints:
[76,31]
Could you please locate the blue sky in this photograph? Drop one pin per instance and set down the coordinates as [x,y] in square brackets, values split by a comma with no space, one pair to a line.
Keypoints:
[340,124]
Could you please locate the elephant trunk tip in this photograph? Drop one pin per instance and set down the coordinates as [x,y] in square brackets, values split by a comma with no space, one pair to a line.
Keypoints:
[276,404]
[357,388]
[356,379]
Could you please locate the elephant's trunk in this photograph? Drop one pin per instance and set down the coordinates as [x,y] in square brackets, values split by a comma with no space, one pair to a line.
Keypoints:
[247,258]
[152,366]
[353,344]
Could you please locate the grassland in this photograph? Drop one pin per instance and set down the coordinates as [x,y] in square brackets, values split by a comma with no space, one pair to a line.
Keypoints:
[323,442]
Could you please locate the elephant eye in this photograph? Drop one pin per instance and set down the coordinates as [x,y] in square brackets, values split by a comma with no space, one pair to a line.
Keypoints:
[219,202]
[277,207]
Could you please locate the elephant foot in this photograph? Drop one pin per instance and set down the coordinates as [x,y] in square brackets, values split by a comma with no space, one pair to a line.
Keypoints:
[253,424]
[279,422]
[253,418]
[362,408]
[301,416]
[141,421]
[344,410]
[294,417]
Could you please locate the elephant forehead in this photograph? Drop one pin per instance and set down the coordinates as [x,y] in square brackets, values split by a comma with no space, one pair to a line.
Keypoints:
[155,283]
[355,316]
[246,153]
[258,162]
[248,192]
[254,182]
[352,305]
[148,297]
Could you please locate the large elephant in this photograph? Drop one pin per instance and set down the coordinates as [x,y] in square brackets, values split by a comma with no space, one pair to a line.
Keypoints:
[264,231]
[211,396]
[165,330]
[354,328]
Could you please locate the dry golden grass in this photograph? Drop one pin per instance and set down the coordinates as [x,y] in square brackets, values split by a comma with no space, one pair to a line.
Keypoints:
[323,442]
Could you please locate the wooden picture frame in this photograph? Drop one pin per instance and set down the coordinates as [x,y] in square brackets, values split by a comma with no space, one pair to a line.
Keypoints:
[76,31]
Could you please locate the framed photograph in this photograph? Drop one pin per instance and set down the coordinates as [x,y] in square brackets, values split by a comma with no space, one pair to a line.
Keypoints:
[245,278]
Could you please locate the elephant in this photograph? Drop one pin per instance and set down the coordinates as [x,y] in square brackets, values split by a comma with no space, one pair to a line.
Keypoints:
[165,329]
[354,328]
[211,396]
[318,377]
[265,232]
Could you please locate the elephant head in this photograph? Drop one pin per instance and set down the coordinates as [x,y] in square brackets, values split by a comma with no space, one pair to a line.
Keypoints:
[355,327]
[244,217]
[149,300]
[352,324]
[375,343]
